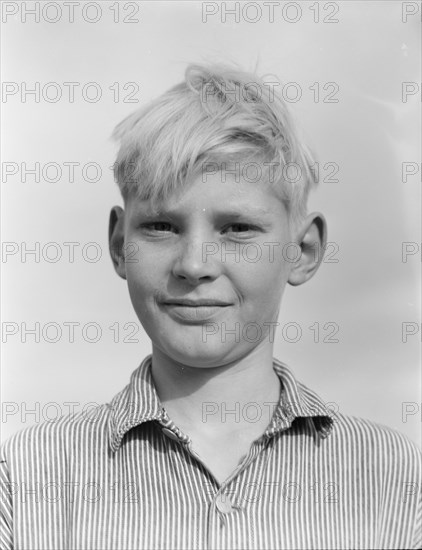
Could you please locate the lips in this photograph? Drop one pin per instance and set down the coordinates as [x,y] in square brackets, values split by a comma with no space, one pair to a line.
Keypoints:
[196,303]
[194,311]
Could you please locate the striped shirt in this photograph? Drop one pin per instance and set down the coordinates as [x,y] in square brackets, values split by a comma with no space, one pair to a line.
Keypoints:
[125,477]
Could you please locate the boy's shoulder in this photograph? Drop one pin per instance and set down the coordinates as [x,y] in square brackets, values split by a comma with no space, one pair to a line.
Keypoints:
[360,427]
[355,442]
[375,445]
[93,429]
[344,432]
[59,435]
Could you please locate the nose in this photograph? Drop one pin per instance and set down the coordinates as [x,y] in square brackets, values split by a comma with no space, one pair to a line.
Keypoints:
[192,262]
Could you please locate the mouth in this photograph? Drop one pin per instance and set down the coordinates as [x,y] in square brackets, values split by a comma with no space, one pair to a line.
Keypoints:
[195,311]
[196,303]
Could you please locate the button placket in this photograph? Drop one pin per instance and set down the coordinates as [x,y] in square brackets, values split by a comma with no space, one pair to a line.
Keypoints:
[224,504]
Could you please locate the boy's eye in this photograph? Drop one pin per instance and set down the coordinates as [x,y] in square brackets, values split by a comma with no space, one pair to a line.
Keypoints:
[161,226]
[240,228]
[158,226]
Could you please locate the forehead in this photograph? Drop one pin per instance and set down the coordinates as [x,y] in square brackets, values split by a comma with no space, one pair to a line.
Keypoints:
[223,191]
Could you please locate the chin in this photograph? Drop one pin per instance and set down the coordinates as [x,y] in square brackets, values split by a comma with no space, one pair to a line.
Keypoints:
[200,354]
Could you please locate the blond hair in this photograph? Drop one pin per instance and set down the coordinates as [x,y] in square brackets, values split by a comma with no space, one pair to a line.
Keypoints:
[216,115]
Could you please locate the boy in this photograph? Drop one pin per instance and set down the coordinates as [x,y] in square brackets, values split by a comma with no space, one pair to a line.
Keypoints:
[209,171]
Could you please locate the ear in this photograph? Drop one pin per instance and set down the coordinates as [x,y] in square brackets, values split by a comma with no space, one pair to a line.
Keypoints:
[312,238]
[116,240]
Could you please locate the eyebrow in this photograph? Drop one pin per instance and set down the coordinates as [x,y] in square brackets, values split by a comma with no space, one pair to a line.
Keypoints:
[257,216]
[244,211]
[241,212]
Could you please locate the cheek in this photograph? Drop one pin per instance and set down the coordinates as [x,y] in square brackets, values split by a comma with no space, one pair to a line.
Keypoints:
[261,284]
[270,268]
[140,281]
[144,269]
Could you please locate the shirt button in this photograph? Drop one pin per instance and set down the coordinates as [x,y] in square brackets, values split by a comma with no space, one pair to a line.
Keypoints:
[223,504]
[170,434]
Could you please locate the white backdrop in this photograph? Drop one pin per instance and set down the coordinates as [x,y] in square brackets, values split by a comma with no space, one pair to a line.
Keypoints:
[114,58]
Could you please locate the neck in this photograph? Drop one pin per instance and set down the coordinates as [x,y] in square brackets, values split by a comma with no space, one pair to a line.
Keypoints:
[227,396]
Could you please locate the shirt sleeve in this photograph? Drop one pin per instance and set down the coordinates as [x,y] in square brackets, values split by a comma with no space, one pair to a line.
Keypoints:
[6,508]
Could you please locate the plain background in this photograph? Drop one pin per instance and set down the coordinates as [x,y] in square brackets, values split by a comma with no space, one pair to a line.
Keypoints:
[370,132]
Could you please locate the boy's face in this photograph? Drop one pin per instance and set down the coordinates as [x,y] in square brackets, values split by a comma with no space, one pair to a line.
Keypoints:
[218,241]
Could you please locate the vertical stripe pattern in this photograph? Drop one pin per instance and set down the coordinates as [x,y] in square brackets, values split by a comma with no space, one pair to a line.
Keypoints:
[124,477]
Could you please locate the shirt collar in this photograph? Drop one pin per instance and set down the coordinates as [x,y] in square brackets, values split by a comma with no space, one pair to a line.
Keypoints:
[139,403]
[298,402]
[136,404]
